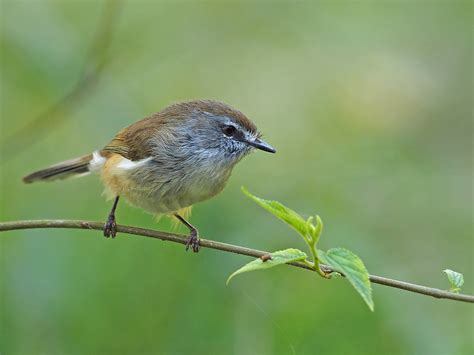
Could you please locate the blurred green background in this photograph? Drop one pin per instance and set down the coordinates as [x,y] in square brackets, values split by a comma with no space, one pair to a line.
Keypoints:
[369,105]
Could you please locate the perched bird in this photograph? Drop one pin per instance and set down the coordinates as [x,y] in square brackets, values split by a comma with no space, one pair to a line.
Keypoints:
[168,161]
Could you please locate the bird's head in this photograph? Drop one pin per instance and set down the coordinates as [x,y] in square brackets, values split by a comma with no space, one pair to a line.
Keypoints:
[215,130]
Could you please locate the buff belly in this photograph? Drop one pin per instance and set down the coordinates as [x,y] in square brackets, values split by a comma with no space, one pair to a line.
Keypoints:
[143,186]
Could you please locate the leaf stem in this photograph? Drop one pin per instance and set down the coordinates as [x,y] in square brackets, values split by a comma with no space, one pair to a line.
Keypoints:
[311,239]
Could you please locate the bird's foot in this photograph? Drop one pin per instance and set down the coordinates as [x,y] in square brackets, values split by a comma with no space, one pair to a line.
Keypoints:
[193,241]
[110,227]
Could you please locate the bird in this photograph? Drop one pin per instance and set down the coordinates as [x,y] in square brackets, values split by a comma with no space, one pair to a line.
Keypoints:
[169,161]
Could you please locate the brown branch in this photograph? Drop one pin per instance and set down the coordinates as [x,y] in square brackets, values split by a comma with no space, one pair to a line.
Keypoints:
[94,63]
[206,243]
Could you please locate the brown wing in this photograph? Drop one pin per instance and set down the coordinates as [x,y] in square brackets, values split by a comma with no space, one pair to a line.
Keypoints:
[134,142]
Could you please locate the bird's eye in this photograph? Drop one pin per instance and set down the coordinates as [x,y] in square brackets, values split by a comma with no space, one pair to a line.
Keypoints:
[229,130]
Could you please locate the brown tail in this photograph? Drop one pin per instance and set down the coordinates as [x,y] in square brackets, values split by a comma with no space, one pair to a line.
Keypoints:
[61,170]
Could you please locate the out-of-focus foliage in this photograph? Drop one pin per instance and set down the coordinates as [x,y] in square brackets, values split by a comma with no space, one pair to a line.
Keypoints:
[369,107]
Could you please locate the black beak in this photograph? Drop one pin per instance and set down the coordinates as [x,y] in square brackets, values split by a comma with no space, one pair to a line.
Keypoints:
[262,145]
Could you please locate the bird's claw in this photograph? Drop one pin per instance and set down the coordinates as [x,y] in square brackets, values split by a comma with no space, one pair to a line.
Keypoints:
[110,227]
[193,241]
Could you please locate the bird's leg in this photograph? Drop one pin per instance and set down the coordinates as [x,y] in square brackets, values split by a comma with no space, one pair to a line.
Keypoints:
[110,227]
[193,240]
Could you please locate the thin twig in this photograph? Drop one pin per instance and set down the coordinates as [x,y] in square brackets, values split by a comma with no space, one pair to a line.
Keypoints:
[206,243]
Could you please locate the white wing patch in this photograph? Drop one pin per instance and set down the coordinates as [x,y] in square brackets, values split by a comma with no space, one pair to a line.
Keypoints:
[126,164]
[97,162]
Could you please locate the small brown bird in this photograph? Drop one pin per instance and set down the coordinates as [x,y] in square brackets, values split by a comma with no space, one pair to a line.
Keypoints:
[168,161]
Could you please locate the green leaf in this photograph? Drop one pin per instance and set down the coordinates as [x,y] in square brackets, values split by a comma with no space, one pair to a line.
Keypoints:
[456,280]
[352,267]
[284,213]
[277,258]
